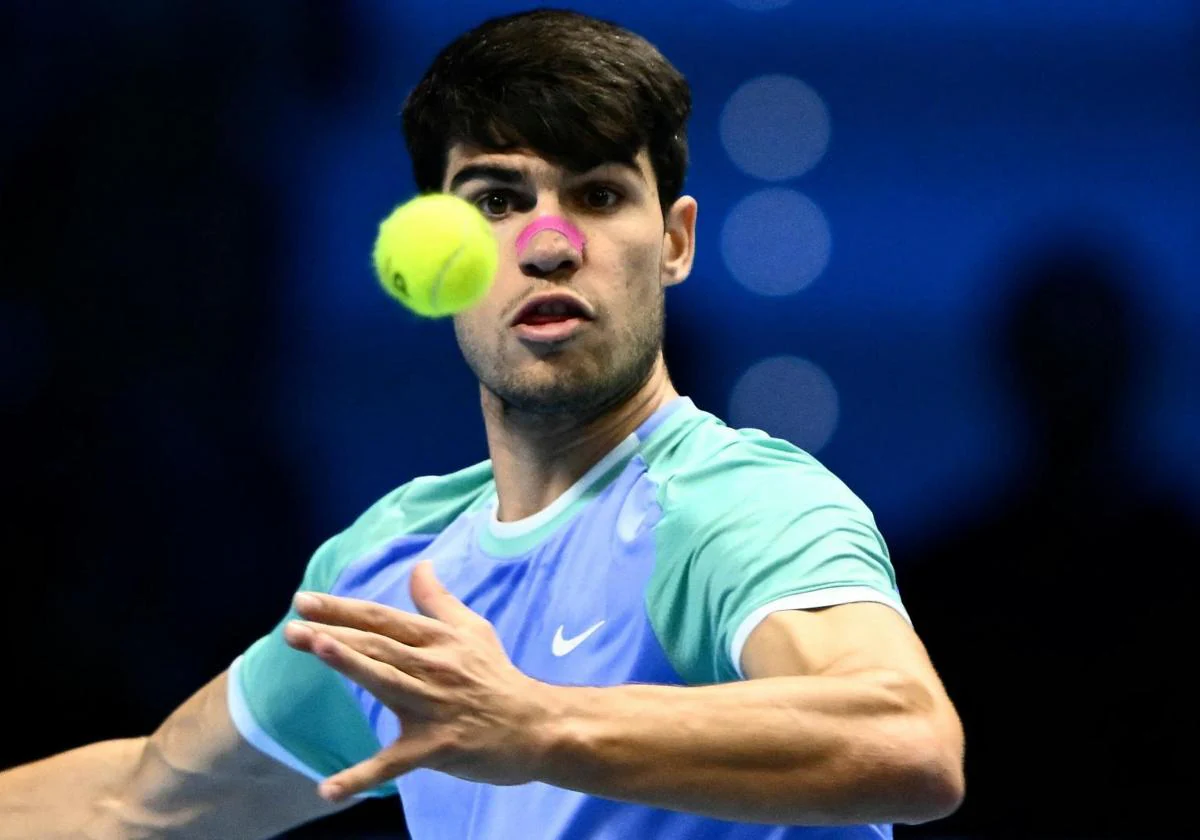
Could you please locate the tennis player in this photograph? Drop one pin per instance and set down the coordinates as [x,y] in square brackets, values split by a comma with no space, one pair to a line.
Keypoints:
[632,621]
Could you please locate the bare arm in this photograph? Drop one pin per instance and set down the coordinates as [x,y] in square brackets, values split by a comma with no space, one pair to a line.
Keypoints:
[57,797]
[842,718]
[195,777]
[845,723]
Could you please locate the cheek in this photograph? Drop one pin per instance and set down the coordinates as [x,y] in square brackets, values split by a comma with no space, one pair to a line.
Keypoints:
[474,318]
[509,282]
[506,243]
[494,303]
[468,326]
[642,267]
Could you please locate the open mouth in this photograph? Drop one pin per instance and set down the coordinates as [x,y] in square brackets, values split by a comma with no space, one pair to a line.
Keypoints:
[548,308]
[551,317]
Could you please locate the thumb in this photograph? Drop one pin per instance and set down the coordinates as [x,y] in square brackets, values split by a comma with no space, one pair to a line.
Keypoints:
[433,599]
[407,753]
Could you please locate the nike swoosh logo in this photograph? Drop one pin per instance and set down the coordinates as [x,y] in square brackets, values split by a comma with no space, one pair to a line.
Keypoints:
[561,646]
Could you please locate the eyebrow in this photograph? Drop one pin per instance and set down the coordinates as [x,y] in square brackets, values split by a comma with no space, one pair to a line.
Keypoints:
[631,168]
[486,172]
[508,175]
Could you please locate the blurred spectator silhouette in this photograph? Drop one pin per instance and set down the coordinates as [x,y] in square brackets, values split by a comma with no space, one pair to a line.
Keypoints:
[1058,614]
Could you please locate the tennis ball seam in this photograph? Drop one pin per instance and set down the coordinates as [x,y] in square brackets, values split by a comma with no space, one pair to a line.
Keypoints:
[436,286]
[412,238]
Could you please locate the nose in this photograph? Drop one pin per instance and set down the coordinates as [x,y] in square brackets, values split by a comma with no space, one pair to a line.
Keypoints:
[548,253]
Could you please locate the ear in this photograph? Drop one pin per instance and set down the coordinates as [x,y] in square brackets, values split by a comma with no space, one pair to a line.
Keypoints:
[679,241]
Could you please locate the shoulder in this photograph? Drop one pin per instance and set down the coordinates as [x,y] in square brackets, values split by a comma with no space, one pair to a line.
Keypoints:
[750,524]
[708,470]
[743,509]
[424,506]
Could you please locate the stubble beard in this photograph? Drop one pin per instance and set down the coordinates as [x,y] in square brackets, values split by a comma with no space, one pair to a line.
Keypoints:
[576,389]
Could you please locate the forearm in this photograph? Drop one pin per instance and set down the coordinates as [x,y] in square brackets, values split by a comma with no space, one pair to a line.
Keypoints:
[67,795]
[791,750]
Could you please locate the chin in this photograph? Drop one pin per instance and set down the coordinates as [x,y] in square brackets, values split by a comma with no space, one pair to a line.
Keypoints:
[554,394]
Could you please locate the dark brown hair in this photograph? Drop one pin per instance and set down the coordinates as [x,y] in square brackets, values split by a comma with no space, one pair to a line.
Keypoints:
[575,90]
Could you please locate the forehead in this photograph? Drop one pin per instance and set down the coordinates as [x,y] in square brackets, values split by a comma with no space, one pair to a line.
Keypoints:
[462,155]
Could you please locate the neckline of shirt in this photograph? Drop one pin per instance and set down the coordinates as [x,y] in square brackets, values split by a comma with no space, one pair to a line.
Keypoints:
[621,452]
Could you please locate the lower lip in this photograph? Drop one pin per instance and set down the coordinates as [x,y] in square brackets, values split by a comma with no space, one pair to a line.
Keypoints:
[550,332]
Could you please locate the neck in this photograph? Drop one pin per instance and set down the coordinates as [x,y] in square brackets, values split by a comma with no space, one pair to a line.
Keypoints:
[535,459]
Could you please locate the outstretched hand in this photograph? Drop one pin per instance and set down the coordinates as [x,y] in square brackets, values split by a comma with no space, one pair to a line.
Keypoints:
[464,708]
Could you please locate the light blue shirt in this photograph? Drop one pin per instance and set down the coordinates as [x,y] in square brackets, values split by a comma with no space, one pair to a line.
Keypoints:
[653,568]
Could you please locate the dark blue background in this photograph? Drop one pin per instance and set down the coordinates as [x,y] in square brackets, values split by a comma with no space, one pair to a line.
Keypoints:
[958,133]
[200,379]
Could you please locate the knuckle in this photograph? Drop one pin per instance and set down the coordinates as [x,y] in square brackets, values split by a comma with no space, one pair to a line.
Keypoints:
[426,632]
[375,615]
[445,671]
[438,666]
[374,647]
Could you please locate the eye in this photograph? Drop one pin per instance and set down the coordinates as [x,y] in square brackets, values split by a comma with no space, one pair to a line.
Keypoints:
[601,197]
[495,204]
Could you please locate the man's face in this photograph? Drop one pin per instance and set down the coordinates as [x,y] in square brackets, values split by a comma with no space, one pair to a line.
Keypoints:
[545,362]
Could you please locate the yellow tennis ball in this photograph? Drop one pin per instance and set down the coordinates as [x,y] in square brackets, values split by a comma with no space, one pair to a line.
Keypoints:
[436,254]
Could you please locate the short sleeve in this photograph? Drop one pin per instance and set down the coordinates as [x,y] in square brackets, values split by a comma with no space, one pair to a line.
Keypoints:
[292,706]
[760,529]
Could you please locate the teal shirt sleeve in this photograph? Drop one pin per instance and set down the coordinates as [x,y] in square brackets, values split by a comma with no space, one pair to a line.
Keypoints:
[756,527]
[294,707]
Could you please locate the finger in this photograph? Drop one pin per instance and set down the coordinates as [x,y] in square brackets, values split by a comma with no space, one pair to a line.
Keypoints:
[393,688]
[435,600]
[378,647]
[404,755]
[405,627]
